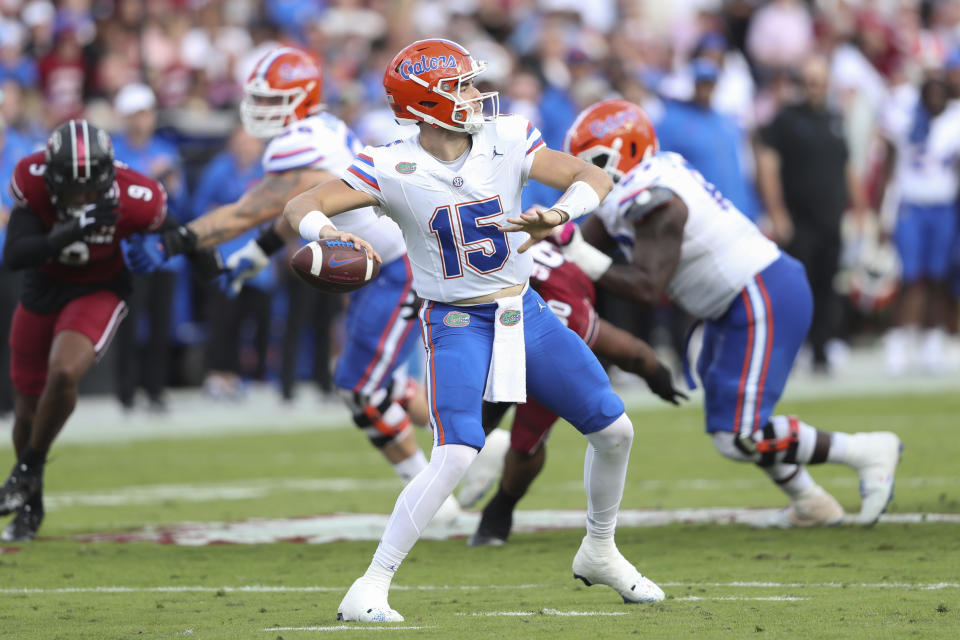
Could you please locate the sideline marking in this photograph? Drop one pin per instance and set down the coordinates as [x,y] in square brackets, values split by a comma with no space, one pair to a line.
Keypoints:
[264,488]
[922,586]
[368,526]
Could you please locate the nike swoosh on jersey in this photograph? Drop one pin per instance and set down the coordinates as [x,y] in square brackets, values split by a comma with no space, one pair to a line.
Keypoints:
[337,263]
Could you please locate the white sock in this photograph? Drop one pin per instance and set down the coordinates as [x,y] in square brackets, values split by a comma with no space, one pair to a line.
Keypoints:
[411,466]
[792,479]
[604,474]
[419,501]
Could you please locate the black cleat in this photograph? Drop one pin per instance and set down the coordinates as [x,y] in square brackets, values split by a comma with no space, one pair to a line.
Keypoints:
[485,539]
[494,528]
[24,527]
[21,485]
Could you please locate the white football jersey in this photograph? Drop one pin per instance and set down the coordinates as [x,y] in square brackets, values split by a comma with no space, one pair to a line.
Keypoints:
[721,249]
[451,217]
[324,142]
[926,169]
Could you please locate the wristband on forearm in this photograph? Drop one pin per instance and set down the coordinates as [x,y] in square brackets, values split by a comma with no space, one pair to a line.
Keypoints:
[579,199]
[270,241]
[312,223]
[593,262]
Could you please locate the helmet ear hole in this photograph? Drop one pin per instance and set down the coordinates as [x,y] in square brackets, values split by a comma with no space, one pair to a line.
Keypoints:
[633,149]
[427,103]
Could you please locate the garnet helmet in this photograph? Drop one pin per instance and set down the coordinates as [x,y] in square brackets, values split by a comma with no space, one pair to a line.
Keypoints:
[79,167]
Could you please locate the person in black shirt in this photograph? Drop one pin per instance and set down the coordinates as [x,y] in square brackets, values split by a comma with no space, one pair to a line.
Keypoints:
[806,183]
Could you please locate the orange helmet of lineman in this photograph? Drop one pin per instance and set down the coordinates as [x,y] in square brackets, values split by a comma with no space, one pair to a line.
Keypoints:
[284,87]
[423,84]
[615,135]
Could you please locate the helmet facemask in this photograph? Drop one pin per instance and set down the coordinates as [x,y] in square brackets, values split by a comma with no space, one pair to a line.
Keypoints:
[468,114]
[266,112]
[607,158]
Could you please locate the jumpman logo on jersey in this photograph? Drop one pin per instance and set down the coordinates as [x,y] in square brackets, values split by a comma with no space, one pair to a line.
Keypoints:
[541,305]
[496,153]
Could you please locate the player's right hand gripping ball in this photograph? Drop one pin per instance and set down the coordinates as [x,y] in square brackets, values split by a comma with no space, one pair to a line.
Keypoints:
[334,266]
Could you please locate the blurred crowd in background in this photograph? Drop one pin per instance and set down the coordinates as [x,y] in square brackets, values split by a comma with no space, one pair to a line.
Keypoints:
[795,110]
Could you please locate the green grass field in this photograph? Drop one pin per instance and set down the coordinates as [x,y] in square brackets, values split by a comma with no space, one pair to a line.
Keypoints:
[722,581]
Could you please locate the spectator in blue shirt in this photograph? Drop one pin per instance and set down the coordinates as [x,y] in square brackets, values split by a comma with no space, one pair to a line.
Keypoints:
[225,179]
[711,141]
[139,146]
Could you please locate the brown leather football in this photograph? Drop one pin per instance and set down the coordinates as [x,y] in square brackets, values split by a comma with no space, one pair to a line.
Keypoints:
[334,266]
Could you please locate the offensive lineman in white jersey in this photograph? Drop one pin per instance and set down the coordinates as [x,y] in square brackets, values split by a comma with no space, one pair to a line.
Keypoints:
[454,189]
[308,146]
[683,238]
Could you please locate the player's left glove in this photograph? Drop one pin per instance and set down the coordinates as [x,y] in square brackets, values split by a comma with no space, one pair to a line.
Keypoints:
[661,383]
[242,265]
[143,253]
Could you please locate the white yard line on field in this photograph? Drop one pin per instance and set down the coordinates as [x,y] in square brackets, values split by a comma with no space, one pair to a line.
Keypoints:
[265,487]
[542,612]
[347,627]
[369,526]
[740,598]
[920,586]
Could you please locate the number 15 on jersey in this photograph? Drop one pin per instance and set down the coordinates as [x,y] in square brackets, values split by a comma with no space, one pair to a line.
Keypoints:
[472,227]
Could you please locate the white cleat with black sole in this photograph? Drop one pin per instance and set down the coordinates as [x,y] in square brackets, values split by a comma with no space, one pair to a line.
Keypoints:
[366,602]
[876,459]
[600,562]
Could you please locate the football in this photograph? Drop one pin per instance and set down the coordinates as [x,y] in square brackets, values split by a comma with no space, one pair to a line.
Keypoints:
[334,266]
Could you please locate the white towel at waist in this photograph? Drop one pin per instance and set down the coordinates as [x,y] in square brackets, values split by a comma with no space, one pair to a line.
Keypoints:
[507,375]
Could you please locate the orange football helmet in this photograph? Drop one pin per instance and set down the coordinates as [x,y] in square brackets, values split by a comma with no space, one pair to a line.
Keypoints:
[423,84]
[284,87]
[615,135]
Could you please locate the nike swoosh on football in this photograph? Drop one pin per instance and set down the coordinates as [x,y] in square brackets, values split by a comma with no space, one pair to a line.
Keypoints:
[337,263]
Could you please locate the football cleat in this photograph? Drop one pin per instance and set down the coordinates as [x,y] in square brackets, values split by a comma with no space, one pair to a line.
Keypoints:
[875,456]
[600,562]
[21,485]
[24,526]
[814,508]
[485,469]
[365,602]
[493,530]
[484,539]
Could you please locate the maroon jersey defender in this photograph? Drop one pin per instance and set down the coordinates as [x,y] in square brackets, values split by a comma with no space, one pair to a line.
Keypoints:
[74,204]
[96,262]
[567,291]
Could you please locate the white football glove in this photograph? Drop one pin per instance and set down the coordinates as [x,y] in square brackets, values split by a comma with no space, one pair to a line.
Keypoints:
[242,265]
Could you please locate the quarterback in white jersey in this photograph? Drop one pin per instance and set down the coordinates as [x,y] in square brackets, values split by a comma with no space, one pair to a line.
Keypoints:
[454,189]
[683,238]
[308,146]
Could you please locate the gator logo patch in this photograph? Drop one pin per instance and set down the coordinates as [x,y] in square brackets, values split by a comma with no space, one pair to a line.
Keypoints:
[510,318]
[456,319]
[406,167]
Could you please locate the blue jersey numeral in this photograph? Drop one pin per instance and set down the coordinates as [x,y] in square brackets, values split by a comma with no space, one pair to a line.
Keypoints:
[475,230]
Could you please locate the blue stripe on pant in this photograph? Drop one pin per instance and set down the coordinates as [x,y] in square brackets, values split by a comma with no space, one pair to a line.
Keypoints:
[562,373]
